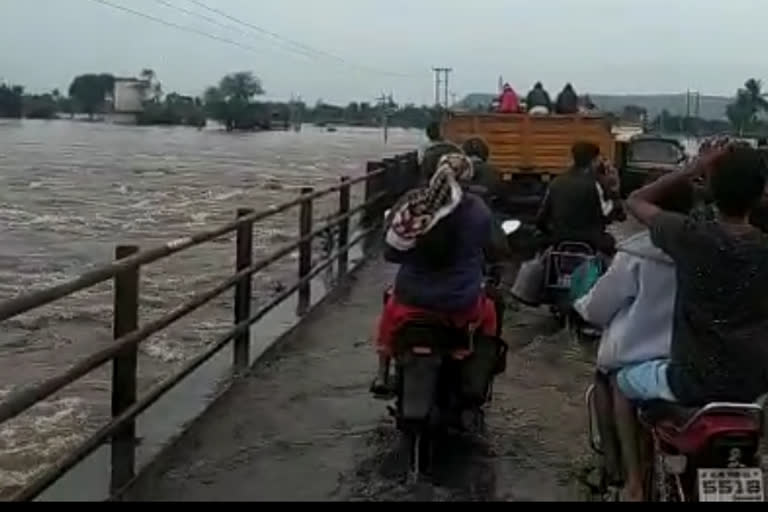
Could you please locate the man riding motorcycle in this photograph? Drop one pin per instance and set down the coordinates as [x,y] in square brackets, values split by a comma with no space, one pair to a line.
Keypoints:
[721,315]
[441,236]
[578,204]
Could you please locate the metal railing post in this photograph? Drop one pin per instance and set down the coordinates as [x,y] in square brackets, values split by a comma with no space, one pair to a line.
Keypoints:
[243,259]
[389,184]
[370,190]
[370,213]
[305,251]
[125,320]
[344,226]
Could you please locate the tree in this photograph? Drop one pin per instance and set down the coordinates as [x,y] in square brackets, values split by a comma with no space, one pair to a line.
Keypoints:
[241,86]
[750,100]
[11,102]
[742,112]
[154,86]
[90,91]
[230,102]
[754,90]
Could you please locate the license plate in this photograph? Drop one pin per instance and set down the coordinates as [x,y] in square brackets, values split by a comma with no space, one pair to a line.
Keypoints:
[737,484]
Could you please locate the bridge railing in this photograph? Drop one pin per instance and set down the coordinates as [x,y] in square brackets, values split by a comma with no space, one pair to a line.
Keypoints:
[383,182]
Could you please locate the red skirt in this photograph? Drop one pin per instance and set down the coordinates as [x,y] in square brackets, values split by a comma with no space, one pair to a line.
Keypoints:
[395,315]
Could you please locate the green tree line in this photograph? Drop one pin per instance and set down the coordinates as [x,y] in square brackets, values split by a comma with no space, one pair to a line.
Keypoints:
[233,102]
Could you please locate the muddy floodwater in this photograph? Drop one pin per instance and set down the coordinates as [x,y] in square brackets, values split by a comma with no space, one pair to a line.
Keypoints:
[71,191]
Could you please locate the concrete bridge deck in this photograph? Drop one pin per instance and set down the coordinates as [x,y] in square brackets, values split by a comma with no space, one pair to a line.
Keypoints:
[302,425]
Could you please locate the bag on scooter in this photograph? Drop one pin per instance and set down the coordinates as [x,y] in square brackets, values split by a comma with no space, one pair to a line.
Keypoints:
[584,278]
[529,283]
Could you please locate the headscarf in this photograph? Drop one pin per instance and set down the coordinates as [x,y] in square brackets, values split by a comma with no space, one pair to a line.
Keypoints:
[419,210]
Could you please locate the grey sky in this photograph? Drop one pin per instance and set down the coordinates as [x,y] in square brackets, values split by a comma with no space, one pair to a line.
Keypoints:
[600,45]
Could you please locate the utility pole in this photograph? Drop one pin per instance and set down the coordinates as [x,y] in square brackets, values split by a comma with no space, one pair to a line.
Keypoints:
[698,104]
[384,106]
[441,80]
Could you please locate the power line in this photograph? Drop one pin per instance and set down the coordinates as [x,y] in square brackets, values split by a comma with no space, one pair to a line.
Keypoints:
[183,28]
[209,19]
[293,43]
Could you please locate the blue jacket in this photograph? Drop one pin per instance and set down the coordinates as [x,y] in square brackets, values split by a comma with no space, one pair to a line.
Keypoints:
[444,272]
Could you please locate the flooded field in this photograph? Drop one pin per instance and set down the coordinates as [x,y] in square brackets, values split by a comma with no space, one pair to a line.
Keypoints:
[71,191]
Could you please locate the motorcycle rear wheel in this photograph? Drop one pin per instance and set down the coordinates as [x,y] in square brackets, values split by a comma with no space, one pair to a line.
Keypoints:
[419,446]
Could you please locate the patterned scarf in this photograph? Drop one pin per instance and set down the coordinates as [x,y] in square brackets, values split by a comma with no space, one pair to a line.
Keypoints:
[419,210]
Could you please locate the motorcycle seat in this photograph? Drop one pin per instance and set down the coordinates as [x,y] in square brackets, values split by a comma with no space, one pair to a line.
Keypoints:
[657,411]
[689,429]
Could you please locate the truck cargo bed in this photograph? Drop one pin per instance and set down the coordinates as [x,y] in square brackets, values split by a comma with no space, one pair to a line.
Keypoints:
[521,143]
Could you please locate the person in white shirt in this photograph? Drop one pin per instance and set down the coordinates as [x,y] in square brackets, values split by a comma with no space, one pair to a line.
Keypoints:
[633,302]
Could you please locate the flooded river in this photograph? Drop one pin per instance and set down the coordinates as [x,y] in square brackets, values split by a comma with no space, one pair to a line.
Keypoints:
[71,191]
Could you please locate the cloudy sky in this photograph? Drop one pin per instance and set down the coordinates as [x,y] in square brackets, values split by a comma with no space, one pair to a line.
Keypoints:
[340,50]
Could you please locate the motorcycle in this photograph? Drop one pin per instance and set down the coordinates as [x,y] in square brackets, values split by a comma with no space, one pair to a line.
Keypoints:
[702,454]
[560,265]
[443,378]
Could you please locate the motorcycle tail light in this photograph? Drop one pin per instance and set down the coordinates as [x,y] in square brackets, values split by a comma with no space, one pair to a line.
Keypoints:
[675,464]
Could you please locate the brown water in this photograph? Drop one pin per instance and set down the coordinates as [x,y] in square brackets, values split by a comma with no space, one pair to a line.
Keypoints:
[71,191]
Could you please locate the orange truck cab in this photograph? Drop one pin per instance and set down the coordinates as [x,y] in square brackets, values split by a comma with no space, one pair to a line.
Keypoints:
[527,150]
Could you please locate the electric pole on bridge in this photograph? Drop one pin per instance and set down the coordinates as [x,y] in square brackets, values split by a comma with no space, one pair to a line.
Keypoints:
[441,80]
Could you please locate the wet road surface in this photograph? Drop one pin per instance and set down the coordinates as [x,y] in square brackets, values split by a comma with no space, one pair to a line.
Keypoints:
[302,426]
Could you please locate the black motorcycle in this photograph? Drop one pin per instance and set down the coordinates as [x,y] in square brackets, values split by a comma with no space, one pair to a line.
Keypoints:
[443,378]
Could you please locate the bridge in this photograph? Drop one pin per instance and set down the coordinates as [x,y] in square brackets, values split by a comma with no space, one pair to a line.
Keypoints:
[283,413]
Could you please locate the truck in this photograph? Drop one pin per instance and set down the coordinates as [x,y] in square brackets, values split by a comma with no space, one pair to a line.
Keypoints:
[528,151]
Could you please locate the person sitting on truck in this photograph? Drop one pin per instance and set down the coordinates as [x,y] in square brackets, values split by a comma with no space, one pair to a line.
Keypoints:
[509,103]
[538,101]
[441,236]
[633,303]
[572,209]
[567,101]
[721,314]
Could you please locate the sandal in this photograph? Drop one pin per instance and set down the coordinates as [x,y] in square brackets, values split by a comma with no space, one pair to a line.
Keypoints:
[379,388]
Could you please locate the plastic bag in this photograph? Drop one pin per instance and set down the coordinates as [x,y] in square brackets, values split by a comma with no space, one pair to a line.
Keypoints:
[529,283]
[584,278]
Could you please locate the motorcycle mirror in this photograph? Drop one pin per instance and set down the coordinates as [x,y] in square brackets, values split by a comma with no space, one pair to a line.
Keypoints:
[510,226]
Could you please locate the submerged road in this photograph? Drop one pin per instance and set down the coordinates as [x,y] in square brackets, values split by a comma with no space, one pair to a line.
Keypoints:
[302,426]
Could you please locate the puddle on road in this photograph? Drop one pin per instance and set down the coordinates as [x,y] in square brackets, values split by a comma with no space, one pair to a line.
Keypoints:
[462,471]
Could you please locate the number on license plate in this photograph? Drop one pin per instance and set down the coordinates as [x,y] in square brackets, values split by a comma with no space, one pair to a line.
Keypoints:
[731,484]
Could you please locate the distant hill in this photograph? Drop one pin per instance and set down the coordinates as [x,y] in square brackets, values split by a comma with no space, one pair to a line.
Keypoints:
[711,107]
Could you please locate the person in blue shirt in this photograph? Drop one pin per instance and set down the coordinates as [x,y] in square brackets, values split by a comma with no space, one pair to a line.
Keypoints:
[440,235]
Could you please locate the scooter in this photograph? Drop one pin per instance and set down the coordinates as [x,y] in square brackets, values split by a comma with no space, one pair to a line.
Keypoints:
[561,262]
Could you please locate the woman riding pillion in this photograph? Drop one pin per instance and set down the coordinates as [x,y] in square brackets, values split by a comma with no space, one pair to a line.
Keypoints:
[441,235]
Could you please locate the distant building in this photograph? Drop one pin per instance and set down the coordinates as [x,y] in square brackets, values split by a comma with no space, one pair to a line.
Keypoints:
[128,99]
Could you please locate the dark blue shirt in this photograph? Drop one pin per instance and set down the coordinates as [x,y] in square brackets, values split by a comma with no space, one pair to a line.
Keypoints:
[444,272]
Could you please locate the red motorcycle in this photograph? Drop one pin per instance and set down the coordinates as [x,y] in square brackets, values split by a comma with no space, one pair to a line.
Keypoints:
[702,454]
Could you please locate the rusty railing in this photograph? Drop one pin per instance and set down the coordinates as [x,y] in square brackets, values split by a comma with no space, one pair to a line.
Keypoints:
[383,182]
